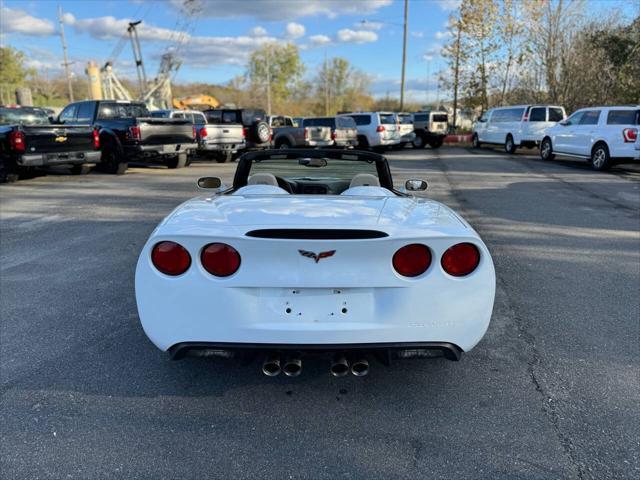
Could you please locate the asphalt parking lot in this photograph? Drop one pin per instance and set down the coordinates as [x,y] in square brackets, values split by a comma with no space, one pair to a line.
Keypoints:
[551,392]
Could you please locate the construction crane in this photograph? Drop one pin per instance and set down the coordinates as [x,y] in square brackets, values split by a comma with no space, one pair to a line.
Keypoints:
[196,101]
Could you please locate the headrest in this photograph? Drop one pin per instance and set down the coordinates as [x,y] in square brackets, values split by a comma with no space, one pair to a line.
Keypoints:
[262,179]
[364,180]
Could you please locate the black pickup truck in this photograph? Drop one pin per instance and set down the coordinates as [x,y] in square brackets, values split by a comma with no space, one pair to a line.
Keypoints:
[129,133]
[28,140]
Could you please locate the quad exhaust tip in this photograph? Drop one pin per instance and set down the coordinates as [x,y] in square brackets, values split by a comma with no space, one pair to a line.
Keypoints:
[271,366]
[292,367]
[339,366]
[360,367]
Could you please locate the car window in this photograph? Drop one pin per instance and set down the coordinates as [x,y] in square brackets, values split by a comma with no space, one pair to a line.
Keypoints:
[538,114]
[440,117]
[84,115]
[14,116]
[159,114]
[277,122]
[421,117]
[333,169]
[362,119]
[288,122]
[345,122]
[68,115]
[623,117]
[387,118]
[319,122]
[590,117]
[214,116]
[178,115]
[556,114]
[249,117]
[575,118]
[230,117]
[122,110]
[199,118]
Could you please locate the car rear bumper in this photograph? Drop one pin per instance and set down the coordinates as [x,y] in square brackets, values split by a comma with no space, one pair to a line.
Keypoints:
[221,147]
[62,158]
[156,150]
[384,350]
[318,143]
[346,143]
[408,137]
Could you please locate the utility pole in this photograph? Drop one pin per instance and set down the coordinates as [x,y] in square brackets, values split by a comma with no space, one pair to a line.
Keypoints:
[64,55]
[268,62]
[326,85]
[137,55]
[404,53]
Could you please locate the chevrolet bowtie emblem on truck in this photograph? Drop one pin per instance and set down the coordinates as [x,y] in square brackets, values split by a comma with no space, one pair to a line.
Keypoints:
[61,139]
[317,256]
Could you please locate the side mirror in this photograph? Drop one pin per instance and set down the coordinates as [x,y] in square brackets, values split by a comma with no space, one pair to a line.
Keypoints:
[53,119]
[415,185]
[209,182]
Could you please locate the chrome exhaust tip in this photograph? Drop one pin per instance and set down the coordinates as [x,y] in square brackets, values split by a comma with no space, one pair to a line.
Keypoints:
[292,367]
[339,366]
[271,366]
[360,367]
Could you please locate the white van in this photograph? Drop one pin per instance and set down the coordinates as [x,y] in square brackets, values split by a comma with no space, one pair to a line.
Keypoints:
[516,126]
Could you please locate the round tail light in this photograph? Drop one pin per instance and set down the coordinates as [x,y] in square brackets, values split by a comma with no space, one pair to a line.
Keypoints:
[461,259]
[220,259]
[170,258]
[412,260]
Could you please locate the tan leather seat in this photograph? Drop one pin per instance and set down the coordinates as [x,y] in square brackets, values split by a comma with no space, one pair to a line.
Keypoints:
[364,180]
[262,179]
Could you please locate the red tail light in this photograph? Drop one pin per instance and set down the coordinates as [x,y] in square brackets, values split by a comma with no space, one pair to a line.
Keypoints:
[134,133]
[16,141]
[170,258]
[270,134]
[525,118]
[630,135]
[306,133]
[380,128]
[334,135]
[412,260]
[203,132]
[461,259]
[96,139]
[244,132]
[220,259]
[194,132]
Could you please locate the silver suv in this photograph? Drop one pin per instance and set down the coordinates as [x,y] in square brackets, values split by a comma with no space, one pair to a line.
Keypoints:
[376,130]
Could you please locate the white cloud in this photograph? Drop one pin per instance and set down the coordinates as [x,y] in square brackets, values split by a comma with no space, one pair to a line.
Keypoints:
[449,5]
[294,30]
[258,31]
[319,40]
[284,9]
[367,25]
[441,35]
[107,28]
[347,35]
[417,34]
[18,21]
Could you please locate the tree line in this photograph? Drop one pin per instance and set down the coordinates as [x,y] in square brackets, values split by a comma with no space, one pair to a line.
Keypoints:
[505,52]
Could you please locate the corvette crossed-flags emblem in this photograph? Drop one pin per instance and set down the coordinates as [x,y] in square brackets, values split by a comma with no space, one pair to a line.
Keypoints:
[317,256]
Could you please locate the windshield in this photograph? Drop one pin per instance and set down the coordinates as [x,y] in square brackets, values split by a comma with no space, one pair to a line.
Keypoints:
[122,110]
[313,168]
[387,118]
[13,116]
[405,119]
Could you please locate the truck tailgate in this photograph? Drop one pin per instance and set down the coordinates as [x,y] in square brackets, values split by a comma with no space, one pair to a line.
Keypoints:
[57,138]
[165,131]
[322,134]
[224,134]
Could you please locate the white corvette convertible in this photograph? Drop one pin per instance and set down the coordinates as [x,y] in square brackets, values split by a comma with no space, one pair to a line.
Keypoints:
[314,252]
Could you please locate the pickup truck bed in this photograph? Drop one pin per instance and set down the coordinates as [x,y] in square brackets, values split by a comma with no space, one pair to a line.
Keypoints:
[24,146]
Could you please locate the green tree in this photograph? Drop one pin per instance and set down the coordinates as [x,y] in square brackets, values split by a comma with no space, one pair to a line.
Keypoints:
[275,70]
[13,73]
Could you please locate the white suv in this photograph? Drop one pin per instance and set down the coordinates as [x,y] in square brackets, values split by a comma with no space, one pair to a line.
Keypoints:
[603,135]
[376,129]
[516,126]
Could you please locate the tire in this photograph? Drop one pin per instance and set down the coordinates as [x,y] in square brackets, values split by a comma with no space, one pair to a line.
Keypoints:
[475,141]
[363,143]
[112,162]
[509,145]
[179,161]
[283,145]
[419,142]
[80,169]
[546,150]
[436,144]
[600,157]
[259,132]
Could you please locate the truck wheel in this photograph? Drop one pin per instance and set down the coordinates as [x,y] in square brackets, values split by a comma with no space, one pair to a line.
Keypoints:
[436,144]
[80,169]
[509,145]
[419,142]
[179,161]
[111,162]
[600,158]
[283,145]
[475,141]
[363,143]
[222,157]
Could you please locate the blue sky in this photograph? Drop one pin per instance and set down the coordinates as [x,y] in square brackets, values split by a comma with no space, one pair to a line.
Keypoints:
[221,35]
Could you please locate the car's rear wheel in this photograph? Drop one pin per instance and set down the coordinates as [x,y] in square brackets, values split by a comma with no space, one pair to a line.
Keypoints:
[475,141]
[178,161]
[419,142]
[600,157]
[509,144]
[80,169]
[9,172]
[111,162]
[546,150]
[436,144]
[284,145]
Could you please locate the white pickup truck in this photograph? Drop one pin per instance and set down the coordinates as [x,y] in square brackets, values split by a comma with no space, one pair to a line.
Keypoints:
[216,139]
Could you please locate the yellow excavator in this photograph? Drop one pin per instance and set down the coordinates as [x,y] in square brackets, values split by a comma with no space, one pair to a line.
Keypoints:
[195,101]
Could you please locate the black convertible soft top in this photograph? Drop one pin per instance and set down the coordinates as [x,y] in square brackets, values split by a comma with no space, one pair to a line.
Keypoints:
[245,161]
